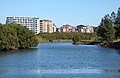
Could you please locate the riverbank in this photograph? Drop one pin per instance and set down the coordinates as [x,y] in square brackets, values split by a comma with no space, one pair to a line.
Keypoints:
[88,42]
[115,45]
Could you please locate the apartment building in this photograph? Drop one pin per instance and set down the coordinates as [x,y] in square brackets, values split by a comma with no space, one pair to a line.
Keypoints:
[47,26]
[67,28]
[85,29]
[31,23]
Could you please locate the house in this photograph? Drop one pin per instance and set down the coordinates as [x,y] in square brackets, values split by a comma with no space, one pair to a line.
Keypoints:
[67,28]
[85,29]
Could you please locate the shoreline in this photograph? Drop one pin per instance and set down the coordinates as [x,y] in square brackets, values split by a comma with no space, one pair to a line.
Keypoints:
[115,45]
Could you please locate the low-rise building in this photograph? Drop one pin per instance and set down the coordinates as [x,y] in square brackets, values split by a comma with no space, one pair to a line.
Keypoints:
[67,28]
[85,29]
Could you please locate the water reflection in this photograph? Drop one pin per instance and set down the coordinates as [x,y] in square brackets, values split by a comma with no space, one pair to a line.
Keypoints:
[69,71]
[59,71]
[114,71]
[18,51]
[61,60]
[3,71]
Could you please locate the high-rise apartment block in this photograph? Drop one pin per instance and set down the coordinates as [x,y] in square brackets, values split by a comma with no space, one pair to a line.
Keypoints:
[30,23]
[34,24]
[47,26]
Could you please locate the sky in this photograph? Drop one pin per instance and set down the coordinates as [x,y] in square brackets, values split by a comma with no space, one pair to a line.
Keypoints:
[73,12]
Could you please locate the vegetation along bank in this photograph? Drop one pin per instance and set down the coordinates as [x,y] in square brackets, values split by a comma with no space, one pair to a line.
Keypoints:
[15,36]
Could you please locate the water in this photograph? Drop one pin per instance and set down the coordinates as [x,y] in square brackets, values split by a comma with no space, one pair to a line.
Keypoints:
[61,60]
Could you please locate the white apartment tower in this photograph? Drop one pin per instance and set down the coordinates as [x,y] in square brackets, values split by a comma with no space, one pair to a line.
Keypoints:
[31,23]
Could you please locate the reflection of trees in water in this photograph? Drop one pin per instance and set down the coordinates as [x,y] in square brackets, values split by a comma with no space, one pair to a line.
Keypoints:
[115,71]
[2,71]
[18,51]
[118,51]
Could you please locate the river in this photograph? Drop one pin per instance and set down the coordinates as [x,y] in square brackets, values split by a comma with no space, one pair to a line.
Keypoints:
[61,60]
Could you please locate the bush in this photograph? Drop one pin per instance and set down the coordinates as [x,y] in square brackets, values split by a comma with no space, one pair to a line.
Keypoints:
[14,36]
[75,39]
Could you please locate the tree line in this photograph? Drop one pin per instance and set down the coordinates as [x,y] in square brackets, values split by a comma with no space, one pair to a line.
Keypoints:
[109,28]
[106,32]
[67,36]
[15,36]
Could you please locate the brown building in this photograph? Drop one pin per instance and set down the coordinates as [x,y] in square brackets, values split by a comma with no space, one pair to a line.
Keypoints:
[47,26]
[67,28]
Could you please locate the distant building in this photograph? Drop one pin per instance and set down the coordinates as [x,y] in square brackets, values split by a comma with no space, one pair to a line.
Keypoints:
[85,29]
[54,27]
[31,23]
[58,30]
[80,28]
[47,26]
[67,28]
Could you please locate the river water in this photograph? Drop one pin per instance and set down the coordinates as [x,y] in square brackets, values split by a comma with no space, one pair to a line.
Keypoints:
[61,60]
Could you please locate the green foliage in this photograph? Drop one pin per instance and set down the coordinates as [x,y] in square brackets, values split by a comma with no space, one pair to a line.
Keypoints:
[117,34]
[106,30]
[113,17]
[118,17]
[8,38]
[14,36]
[117,24]
[26,37]
[66,36]
[76,39]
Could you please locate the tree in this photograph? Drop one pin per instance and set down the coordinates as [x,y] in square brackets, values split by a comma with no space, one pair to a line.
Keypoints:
[117,24]
[66,36]
[113,18]
[8,38]
[76,39]
[106,30]
[26,37]
[117,34]
[15,36]
[117,21]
